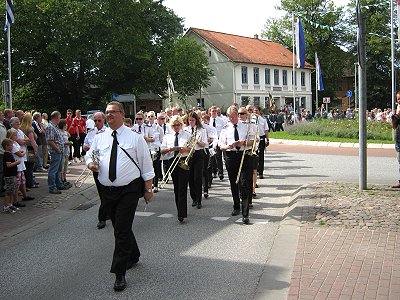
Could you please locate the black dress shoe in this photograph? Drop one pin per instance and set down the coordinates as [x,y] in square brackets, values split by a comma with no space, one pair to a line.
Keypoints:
[261,176]
[198,205]
[245,220]
[256,185]
[250,205]
[180,219]
[120,283]
[101,224]
[221,177]
[194,203]
[205,195]
[131,263]
[235,212]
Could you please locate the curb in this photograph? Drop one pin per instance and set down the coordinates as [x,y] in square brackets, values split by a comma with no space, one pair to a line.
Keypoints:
[329,144]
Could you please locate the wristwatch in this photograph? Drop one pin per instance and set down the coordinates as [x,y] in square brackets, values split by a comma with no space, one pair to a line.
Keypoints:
[148,190]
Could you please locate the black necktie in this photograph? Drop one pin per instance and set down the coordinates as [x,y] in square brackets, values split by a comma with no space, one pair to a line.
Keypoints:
[140,130]
[176,143]
[165,127]
[192,130]
[214,125]
[236,136]
[112,170]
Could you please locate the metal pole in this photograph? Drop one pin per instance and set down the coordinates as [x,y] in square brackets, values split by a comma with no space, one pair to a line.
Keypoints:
[294,70]
[392,59]
[355,86]
[316,85]
[9,63]
[363,103]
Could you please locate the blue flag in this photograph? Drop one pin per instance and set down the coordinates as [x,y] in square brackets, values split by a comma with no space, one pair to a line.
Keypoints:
[300,44]
[320,83]
[9,15]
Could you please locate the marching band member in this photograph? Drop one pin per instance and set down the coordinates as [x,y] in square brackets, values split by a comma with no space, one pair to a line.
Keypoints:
[212,139]
[264,141]
[173,144]
[158,135]
[197,161]
[162,122]
[145,130]
[218,123]
[234,137]
[99,120]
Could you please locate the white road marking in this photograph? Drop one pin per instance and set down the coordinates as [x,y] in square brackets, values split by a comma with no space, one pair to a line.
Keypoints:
[220,218]
[144,213]
[166,216]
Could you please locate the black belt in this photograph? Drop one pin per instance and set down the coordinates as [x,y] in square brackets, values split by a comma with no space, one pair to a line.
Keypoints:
[121,187]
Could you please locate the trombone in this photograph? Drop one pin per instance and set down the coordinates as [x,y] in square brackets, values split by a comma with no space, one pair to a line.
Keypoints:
[82,178]
[245,146]
[177,160]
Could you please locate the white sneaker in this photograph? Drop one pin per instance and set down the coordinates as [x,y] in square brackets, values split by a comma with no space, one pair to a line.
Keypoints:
[75,160]
[7,210]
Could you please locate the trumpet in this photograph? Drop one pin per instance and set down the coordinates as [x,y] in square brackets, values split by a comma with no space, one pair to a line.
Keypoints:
[82,178]
[178,160]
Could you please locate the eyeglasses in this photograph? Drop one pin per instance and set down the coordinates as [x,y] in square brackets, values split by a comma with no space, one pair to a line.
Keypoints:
[139,119]
[162,118]
[175,125]
[151,116]
[97,120]
[112,112]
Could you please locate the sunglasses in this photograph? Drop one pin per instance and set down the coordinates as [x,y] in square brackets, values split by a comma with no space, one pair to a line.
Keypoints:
[175,125]
[162,118]
[139,118]
[97,120]
[242,113]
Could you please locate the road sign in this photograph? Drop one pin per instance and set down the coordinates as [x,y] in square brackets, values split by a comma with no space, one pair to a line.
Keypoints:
[349,93]
[326,100]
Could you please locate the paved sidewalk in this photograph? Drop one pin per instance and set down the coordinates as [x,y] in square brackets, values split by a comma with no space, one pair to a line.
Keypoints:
[346,260]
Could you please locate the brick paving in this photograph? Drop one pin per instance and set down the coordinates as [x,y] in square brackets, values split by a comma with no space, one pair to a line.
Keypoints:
[44,204]
[349,243]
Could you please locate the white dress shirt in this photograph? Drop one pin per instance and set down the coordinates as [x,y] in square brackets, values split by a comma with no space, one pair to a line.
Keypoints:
[201,138]
[158,135]
[262,126]
[227,136]
[211,133]
[169,142]
[92,134]
[127,171]
[219,123]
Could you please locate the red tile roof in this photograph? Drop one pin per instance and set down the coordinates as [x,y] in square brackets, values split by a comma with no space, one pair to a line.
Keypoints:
[248,50]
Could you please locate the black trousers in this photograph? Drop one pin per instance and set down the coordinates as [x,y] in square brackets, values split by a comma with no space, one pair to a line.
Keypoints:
[261,150]
[120,204]
[180,179]
[244,188]
[217,162]
[196,175]
[157,170]
[102,215]
[206,171]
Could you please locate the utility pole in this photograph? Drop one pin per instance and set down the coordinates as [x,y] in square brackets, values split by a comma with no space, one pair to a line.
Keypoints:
[362,100]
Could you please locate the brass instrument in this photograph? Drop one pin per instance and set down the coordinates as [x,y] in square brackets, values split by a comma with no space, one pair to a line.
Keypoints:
[82,178]
[179,161]
[253,151]
[192,144]
[244,149]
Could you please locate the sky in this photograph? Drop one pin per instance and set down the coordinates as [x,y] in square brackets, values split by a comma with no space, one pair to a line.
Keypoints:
[245,18]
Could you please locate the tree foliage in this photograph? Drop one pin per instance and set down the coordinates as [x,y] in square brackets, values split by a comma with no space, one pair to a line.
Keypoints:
[74,54]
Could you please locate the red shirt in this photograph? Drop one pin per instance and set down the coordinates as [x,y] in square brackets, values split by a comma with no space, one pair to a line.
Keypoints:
[79,124]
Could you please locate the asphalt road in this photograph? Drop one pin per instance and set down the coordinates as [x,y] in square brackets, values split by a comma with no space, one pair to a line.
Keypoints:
[210,256]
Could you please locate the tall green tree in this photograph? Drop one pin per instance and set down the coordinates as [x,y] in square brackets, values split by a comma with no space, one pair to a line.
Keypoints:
[326,42]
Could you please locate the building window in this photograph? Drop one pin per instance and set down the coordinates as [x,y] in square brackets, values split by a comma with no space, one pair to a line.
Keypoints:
[267,76]
[244,75]
[295,77]
[303,78]
[256,101]
[276,77]
[245,100]
[284,77]
[256,75]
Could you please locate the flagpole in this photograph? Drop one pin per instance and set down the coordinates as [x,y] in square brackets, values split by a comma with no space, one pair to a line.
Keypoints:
[392,59]
[294,72]
[316,85]
[9,63]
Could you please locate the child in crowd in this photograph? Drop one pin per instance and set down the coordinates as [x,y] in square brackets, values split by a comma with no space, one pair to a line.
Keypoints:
[10,176]
[62,125]
[17,152]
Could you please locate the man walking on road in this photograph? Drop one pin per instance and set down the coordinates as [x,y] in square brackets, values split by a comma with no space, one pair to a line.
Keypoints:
[396,125]
[123,158]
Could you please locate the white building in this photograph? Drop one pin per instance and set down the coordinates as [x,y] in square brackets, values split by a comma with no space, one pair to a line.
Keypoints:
[249,70]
